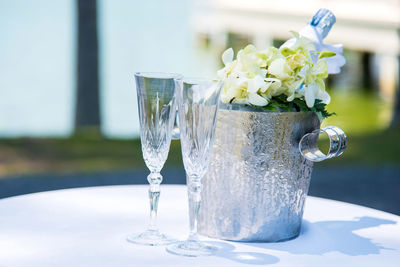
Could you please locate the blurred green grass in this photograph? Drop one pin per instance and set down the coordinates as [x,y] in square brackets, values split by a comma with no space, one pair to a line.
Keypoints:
[84,153]
[359,113]
[363,117]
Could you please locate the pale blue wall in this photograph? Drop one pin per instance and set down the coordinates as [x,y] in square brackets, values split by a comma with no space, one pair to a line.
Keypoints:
[139,36]
[36,67]
[37,59]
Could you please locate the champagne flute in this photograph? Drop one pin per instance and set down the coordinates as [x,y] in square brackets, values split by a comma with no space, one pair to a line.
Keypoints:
[198,101]
[156,94]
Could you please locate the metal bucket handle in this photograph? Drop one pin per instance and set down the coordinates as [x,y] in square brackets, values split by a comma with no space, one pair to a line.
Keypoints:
[309,149]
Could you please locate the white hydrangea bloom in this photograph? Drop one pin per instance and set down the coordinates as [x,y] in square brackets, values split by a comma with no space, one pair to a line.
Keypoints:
[295,70]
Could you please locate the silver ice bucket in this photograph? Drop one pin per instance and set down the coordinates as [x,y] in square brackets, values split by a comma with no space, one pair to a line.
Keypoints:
[259,173]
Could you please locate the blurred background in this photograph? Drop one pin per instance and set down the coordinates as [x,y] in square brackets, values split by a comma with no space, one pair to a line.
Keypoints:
[68,108]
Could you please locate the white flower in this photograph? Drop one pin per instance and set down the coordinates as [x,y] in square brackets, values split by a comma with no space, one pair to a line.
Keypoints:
[324,96]
[227,56]
[280,69]
[241,89]
[255,84]
[293,89]
[244,77]
[301,41]
[293,71]
[234,87]
[257,100]
[312,92]
[227,59]
[272,85]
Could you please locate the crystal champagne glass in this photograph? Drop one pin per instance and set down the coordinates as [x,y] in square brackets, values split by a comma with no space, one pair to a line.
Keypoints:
[197,107]
[156,94]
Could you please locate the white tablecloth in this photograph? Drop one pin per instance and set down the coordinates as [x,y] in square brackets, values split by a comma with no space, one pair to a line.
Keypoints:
[88,227]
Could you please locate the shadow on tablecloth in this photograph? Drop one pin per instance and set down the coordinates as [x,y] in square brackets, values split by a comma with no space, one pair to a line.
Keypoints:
[323,237]
[228,251]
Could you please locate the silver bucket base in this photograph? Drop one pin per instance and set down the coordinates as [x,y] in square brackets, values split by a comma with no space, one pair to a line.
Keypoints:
[257,180]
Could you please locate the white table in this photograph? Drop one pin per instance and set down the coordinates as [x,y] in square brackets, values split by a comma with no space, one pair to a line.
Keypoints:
[88,227]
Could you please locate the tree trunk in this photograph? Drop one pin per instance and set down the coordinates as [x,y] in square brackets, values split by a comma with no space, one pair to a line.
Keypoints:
[367,81]
[87,103]
[396,110]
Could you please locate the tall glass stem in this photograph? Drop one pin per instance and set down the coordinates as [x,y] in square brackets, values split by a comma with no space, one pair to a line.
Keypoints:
[155,180]
[194,205]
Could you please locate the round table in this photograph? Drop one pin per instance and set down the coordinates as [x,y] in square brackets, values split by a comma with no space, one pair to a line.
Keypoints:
[88,227]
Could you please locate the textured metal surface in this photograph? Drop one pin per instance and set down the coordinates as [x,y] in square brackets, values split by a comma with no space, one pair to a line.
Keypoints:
[257,180]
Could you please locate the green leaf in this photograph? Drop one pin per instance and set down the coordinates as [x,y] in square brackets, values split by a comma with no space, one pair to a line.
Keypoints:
[279,103]
[323,54]
[286,51]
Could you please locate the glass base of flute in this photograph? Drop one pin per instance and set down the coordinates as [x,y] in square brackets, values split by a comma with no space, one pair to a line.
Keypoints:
[193,247]
[151,238]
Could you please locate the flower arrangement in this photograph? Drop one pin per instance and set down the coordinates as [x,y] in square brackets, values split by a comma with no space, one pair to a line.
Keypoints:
[290,78]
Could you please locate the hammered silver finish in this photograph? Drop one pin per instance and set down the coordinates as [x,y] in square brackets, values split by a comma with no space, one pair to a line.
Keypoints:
[257,180]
